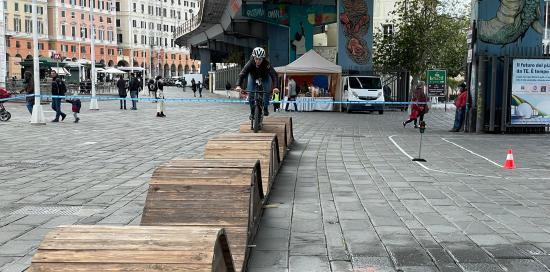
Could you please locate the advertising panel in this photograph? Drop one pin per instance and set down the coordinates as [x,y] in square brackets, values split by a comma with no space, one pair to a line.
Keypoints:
[530,103]
[437,82]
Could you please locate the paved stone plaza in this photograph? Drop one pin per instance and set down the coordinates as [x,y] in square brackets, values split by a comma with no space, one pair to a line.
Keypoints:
[348,197]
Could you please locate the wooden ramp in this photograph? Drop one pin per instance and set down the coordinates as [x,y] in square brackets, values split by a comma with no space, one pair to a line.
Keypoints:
[220,193]
[277,128]
[133,248]
[262,146]
[289,126]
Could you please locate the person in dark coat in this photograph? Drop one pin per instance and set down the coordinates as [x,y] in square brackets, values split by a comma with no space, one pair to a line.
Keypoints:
[121,85]
[227,89]
[29,90]
[134,90]
[194,87]
[58,89]
[199,85]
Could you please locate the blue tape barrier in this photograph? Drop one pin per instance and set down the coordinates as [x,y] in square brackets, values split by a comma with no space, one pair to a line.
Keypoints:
[208,100]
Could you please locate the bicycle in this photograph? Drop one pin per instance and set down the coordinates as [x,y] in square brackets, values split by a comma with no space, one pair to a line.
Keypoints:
[257,118]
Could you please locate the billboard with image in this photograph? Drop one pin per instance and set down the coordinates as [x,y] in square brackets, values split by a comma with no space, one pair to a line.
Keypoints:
[530,103]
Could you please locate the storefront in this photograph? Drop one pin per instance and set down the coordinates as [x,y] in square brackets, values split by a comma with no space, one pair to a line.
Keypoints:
[317,82]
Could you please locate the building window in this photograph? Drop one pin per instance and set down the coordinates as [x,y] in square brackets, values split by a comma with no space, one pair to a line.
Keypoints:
[40,27]
[73,31]
[28,25]
[117,6]
[109,20]
[101,51]
[16,6]
[117,22]
[63,30]
[63,14]
[134,7]
[101,19]
[72,15]
[17,24]
[142,8]
[135,39]
[29,45]
[81,16]
[387,29]
[40,46]
[185,4]
[119,38]
[83,49]
[192,4]
[110,35]
[73,48]
[17,44]
[134,24]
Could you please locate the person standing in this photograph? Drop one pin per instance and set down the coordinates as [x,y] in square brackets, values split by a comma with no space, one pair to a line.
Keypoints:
[58,89]
[122,93]
[28,90]
[194,87]
[184,84]
[291,94]
[460,104]
[76,105]
[276,100]
[419,107]
[134,90]
[227,89]
[199,85]
[152,88]
[160,92]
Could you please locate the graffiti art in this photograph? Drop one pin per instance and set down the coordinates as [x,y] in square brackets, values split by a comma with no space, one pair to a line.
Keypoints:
[513,19]
[355,22]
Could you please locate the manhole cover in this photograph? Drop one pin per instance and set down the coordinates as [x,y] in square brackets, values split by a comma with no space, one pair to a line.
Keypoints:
[44,210]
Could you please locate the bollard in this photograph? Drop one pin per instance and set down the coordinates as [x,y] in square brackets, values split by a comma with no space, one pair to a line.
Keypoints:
[422,128]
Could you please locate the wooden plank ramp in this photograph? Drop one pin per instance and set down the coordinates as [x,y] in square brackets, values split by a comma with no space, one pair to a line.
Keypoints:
[213,192]
[133,248]
[277,128]
[289,126]
[262,146]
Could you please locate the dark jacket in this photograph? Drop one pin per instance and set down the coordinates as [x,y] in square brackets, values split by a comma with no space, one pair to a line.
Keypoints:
[263,71]
[77,104]
[29,90]
[121,85]
[228,86]
[58,87]
[134,85]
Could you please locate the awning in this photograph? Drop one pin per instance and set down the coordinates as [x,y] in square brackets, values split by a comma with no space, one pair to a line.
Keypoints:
[131,69]
[112,70]
[61,71]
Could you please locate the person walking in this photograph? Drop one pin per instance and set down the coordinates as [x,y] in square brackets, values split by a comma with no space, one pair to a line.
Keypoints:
[291,94]
[460,104]
[134,90]
[418,107]
[58,89]
[122,93]
[76,105]
[160,92]
[152,89]
[184,84]
[228,89]
[28,90]
[199,86]
[194,87]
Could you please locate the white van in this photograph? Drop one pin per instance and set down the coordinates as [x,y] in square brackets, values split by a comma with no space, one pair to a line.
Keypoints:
[364,93]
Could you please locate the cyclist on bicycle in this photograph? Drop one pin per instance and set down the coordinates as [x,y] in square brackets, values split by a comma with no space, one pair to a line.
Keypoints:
[258,67]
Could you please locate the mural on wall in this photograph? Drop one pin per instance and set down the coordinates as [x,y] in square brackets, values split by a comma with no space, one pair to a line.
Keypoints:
[355,35]
[300,21]
[355,21]
[511,22]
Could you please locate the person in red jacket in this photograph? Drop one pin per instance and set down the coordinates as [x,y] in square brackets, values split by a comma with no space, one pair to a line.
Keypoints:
[460,104]
[419,107]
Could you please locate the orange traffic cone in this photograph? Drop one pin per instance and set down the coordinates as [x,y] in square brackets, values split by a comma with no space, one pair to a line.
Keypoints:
[509,163]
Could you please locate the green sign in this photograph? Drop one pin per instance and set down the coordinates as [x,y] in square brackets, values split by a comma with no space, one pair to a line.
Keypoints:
[437,82]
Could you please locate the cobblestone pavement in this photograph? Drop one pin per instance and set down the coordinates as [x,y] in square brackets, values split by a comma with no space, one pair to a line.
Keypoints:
[348,197]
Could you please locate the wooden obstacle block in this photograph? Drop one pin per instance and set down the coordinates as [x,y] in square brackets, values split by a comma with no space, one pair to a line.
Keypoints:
[262,146]
[289,126]
[133,248]
[277,128]
[220,193]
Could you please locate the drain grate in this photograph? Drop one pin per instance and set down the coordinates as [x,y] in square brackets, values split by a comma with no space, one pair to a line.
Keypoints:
[351,136]
[48,210]
[24,164]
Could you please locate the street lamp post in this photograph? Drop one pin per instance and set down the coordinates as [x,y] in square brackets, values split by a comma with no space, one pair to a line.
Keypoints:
[37,117]
[93,102]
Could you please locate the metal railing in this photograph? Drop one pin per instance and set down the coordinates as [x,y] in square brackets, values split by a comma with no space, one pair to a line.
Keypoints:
[191,24]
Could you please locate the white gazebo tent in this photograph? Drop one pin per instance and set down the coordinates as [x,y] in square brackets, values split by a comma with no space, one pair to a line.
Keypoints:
[312,63]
